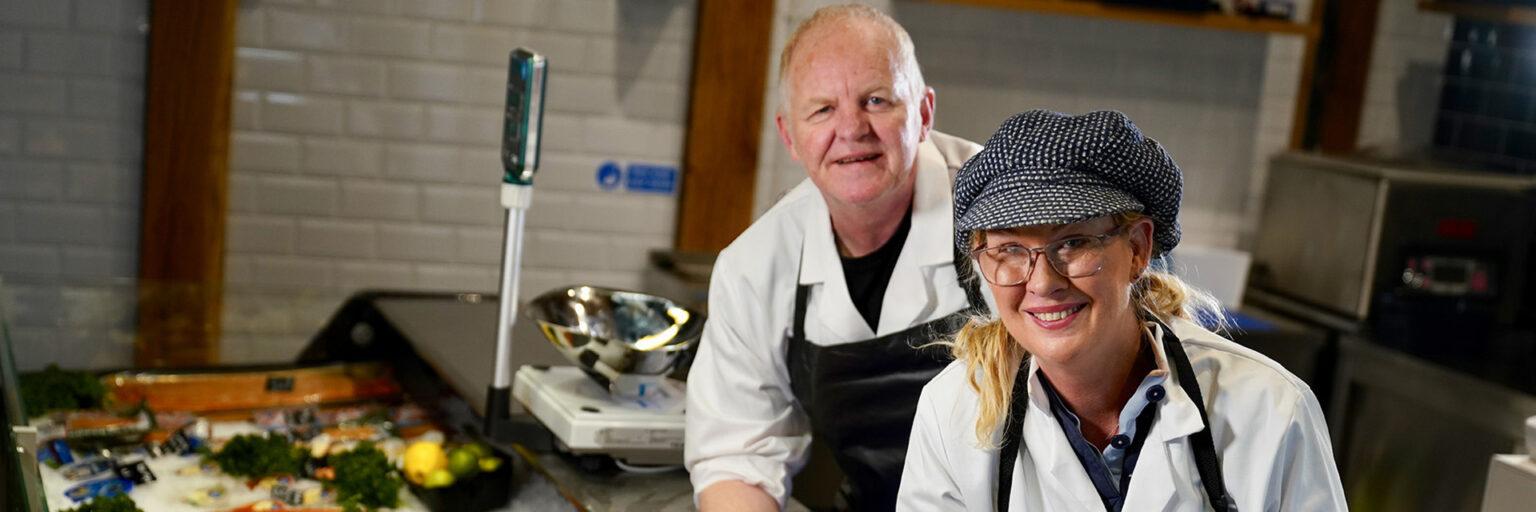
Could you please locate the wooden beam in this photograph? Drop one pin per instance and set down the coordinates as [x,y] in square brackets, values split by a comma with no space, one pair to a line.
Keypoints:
[730,72]
[1350,40]
[186,160]
[1302,112]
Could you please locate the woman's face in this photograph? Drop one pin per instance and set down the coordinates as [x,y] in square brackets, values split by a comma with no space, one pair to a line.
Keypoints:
[1067,321]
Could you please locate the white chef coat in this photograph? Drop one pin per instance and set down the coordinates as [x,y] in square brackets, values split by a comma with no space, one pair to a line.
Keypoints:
[743,421]
[1267,427]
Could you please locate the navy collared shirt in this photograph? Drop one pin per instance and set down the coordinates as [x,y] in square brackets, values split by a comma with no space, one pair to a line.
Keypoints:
[1110,470]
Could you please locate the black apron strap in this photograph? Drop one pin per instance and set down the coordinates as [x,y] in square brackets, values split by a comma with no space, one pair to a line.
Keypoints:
[1206,461]
[797,329]
[1013,434]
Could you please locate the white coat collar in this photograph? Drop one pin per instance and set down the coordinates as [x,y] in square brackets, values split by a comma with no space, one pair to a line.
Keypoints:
[910,296]
[1164,459]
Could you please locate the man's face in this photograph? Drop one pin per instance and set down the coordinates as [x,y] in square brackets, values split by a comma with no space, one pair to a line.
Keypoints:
[852,117]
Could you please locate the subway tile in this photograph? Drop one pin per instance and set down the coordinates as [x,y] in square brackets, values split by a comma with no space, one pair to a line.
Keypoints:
[243,188]
[336,238]
[481,166]
[293,271]
[36,180]
[35,13]
[250,28]
[299,113]
[7,228]
[426,81]
[261,234]
[486,87]
[581,94]
[653,101]
[574,173]
[259,151]
[390,120]
[347,76]
[343,157]
[562,132]
[457,277]
[600,16]
[479,245]
[10,51]
[71,53]
[363,6]
[114,184]
[452,10]
[416,243]
[100,262]
[624,138]
[80,140]
[73,223]
[379,200]
[364,275]
[291,29]
[473,44]
[522,13]
[391,37]
[475,126]
[298,196]
[461,205]
[116,17]
[258,68]
[422,162]
[98,99]
[33,94]
[632,254]
[245,110]
[564,51]
[566,250]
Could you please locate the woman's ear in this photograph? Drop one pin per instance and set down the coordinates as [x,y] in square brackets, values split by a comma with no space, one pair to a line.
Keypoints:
[1140,235]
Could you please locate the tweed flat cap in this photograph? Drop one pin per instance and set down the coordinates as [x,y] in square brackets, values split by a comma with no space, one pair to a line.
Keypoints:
[1045,167]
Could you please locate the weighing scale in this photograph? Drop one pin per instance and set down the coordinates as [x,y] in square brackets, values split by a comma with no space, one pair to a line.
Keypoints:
[616,400]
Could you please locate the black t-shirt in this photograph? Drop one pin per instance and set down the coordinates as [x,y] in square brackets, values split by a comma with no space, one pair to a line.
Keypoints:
[868,275]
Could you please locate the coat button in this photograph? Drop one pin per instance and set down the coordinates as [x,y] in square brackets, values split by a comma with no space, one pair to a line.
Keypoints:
[1120,441]
[1156,392]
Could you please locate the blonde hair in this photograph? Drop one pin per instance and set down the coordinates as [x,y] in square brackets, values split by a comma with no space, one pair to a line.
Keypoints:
[905,54]
[993,357]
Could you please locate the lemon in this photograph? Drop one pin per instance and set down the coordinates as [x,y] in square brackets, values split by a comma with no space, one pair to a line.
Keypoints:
[462,462]
[421,459]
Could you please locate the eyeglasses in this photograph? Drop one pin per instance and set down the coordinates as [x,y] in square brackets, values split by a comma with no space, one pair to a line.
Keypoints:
[1077,256]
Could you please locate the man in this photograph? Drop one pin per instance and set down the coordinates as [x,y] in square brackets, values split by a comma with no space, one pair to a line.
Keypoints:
[816,310]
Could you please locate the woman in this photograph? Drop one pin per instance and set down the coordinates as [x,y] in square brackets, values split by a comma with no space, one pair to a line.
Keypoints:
[1092,371]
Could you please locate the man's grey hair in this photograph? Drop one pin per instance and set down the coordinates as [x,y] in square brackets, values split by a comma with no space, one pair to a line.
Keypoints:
[844,15]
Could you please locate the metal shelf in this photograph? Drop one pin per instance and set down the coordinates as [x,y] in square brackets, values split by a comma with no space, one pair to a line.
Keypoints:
[1206,20]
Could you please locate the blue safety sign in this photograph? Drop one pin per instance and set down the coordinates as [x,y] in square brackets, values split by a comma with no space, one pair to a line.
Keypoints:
[638,177]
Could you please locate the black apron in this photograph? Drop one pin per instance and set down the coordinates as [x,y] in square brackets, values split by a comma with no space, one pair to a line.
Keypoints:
[1206,461]
[861,396]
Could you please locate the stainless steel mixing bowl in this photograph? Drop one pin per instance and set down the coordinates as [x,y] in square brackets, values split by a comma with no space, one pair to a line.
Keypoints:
[615,332]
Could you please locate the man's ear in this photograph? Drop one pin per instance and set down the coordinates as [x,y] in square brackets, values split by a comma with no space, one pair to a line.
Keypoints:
[789,144]
[925,112]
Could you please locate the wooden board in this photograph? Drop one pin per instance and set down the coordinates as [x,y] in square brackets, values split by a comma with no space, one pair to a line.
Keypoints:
[186,159]
[730,72]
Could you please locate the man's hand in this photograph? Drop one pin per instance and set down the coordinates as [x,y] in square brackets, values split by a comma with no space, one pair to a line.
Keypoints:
[733,495]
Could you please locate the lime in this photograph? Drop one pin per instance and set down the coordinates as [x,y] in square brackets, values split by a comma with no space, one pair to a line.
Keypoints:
[462,462]
[489,464]
[438,478]
[478,449]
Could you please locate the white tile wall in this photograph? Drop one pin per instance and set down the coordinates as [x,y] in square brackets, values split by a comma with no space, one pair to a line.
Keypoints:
[1403,88]
[71,115]
[366,150]
[1202,93]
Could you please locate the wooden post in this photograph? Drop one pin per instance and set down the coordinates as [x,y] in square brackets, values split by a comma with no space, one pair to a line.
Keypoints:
[730,71]
[186,160]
